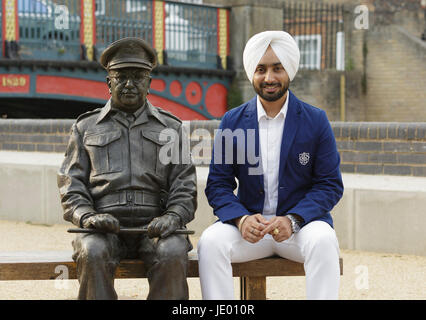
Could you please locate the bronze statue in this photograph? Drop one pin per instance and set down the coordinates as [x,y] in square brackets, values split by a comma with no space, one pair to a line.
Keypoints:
[112,176]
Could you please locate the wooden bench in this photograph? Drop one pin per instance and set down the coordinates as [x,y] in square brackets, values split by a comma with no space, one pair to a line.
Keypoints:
[43,265]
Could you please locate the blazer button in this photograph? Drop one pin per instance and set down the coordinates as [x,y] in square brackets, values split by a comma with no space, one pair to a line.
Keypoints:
[261,192]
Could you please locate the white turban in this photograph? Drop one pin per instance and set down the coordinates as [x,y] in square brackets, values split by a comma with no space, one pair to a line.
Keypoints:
[284,46]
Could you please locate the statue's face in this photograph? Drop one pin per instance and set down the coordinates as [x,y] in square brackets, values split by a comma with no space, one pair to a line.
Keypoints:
[128,87]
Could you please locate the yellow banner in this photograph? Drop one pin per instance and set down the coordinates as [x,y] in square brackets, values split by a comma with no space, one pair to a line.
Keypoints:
[222,35]
[11,20]
[158,24]
[88,30]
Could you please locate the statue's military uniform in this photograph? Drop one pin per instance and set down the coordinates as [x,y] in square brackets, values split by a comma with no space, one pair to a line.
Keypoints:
[117,163]
[110,162]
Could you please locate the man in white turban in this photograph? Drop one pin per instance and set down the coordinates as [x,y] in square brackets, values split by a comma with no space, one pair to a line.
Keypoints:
[283,45]
[283,208]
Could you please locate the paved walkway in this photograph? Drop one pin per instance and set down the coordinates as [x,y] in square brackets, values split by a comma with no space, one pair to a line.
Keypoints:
[367,275]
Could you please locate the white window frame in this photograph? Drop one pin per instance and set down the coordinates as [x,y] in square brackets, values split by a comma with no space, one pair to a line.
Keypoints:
[340,51]
[135,6]
[190,1]
[315,57]
[38,14]
[100,9]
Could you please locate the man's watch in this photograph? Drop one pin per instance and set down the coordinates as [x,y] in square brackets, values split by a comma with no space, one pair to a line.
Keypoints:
[295,227]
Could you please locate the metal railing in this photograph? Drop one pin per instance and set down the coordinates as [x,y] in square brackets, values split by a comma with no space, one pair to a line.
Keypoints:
[191,35]
[49,30]
[118,19]
[318,29]
[53,29]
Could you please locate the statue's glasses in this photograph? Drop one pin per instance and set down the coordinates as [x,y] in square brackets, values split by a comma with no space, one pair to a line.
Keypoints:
[136,78]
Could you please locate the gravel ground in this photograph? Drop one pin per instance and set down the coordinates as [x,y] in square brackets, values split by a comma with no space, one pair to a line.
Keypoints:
[367,275]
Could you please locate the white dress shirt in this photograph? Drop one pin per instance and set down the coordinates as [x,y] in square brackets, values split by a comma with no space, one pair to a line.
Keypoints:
[270,137]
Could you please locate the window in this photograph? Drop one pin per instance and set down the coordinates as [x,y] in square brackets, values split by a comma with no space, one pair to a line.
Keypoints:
[33,8]
[135,5]
[191,1]
[310,51]
[99,7]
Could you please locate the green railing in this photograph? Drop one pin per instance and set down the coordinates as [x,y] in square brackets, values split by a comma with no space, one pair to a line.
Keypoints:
[49,30]
[191,35]
[183,34]
[119,19]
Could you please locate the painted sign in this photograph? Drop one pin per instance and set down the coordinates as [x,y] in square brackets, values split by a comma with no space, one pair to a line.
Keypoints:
[14,83]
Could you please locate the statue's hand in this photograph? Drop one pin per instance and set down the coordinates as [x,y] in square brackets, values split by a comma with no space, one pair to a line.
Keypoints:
[102,221]
[164,226]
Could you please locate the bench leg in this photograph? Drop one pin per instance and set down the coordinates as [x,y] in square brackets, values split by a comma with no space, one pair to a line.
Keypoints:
[253,288]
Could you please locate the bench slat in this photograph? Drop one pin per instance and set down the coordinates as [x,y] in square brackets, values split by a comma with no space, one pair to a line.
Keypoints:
[51,265]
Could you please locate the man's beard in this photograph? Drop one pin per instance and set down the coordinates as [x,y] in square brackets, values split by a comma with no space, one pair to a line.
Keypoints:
[271,97]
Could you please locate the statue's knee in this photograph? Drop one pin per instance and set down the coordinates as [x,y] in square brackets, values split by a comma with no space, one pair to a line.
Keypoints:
[93,249]
[174,248]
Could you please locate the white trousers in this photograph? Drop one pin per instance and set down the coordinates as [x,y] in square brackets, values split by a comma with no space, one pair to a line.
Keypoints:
[315,245]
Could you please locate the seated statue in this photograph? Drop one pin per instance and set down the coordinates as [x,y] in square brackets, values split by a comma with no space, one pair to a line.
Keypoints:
[113,177]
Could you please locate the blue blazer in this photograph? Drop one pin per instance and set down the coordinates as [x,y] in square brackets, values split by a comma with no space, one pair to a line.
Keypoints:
[310,183]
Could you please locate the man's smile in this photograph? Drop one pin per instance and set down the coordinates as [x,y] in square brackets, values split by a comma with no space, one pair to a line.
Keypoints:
[271,88]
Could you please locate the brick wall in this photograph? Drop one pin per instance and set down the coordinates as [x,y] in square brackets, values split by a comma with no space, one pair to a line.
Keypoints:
[392,57]
[49,135]
[322,89]
[382,148]
[395,69]
[365,147]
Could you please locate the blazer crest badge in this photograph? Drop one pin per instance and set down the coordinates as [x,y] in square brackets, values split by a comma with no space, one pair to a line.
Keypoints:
[304,158]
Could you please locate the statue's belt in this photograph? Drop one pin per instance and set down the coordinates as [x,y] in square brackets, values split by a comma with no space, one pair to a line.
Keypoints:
[130,197]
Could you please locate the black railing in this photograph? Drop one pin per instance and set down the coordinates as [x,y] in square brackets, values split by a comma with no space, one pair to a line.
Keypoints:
[318,29]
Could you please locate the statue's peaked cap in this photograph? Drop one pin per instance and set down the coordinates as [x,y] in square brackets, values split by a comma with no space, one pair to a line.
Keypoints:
[128,52]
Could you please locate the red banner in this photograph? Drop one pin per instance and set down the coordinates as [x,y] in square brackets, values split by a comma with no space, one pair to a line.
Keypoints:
[72,87]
